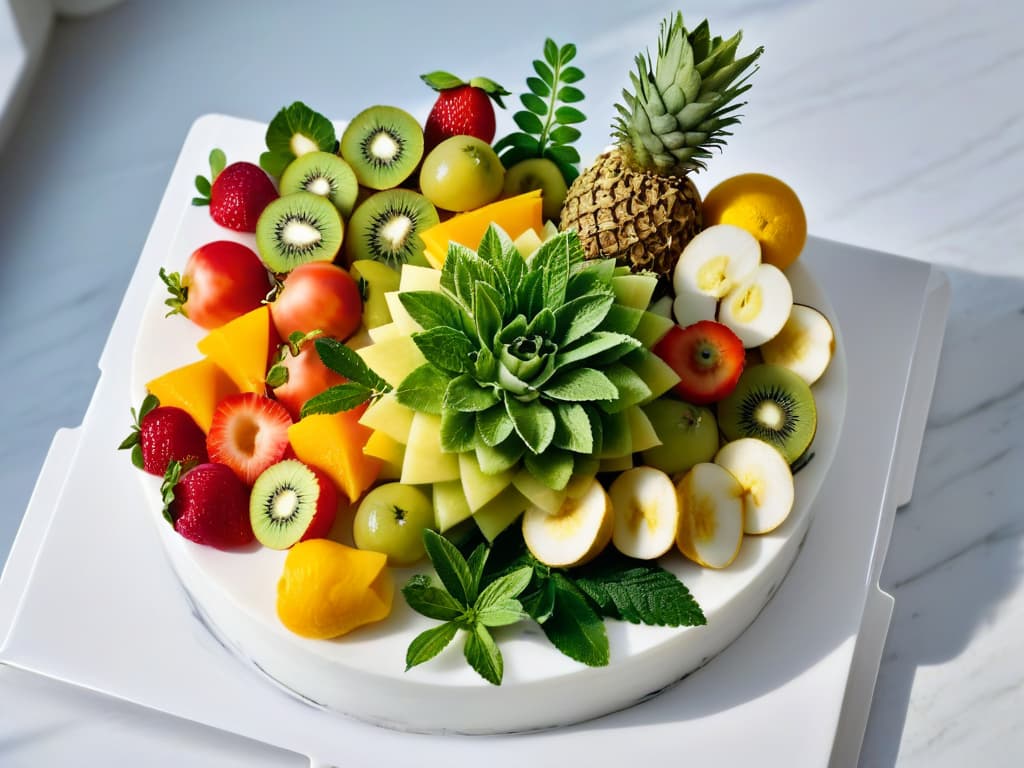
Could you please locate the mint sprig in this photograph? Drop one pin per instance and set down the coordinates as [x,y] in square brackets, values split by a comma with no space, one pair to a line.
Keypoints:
[462,605]
[547,125]
[362,385]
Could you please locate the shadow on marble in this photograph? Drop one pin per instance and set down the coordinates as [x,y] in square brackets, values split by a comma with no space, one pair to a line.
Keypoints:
[956,551]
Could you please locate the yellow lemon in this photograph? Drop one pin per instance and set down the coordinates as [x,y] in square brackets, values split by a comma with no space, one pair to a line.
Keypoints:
[328,589]
[764,206]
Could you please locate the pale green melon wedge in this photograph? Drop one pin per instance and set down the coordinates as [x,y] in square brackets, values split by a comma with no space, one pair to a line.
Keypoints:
[425,462]
[419,279]
[393,359]
[389,416]
[450,505]
[655,372]
[401,317]
[583,472]
[634,290]
[499,513]
[618,464]
[537,493]
[478,486]
[384,332]
[641,430]
[617,439]
[527,243]
[651,328]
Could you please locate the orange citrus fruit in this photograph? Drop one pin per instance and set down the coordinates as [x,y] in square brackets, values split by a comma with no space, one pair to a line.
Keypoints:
[764,206]
[328,589]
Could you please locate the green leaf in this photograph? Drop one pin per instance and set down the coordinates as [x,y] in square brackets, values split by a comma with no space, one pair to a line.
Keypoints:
[562,154]
[483,655]
[574,628]
[535,104]
[203,185]
[341,397]
[538,87]
[428,644]
[423,389]
[446,348]
[218,160]
[539,604]
[568,115]
[565,134]
[543,324]
[544,71]
[622,319]
[424,598]
[572,428]
[477,561]
[519,141]
[486,366]
[529,122]
[567,53]
[492,246]
[553,468]
[571,75]
[486,313]
[632,389]
[570,95]
[494,425]
[638,591]
[580,385]
[458,431]
[451,567]
[505,455]
[442,81]
[431,309]
[502,613]
[505,587]
[274,163]
[596,343]
[464,394]
[576,318]
[344,360]
[289,121]
[534,423]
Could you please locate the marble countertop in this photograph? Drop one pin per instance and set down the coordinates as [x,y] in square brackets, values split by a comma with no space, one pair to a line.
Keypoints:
[897,123]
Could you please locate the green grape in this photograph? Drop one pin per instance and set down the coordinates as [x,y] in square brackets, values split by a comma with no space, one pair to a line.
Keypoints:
[689,435]
[461,173]
[391,520]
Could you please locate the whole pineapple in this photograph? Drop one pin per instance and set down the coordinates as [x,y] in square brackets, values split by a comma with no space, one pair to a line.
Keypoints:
[636,203]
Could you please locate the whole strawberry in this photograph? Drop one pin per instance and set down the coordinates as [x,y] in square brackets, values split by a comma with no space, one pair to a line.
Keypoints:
[462,108]
[236,194]
[162,434]
[208,504]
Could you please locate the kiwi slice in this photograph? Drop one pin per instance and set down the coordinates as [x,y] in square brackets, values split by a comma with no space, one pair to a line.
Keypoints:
[383,145]
[296,229]
[323,174]
[772,404]
[386,227]
[282,503]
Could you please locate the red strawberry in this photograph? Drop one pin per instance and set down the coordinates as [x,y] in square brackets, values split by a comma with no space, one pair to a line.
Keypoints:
[238,194]
[326,506]
[163,434]
[461,109]
[249,432]
[708,358]
[208,504]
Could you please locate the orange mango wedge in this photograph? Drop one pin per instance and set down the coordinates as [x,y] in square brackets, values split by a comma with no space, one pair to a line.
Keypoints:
[515,215]
[334,443]
[241,348]
[196,388]
[328,589]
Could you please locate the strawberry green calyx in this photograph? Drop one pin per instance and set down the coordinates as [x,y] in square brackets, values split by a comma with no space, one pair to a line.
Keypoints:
[179,293]
[445,81]
[277,375]
[205,185]
[134,439]
[171,478]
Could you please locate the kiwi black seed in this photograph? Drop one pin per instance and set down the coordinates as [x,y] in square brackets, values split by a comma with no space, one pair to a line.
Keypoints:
[386,227]
[282,503]
[772,404]
[324,174]
[296,229]
[383,145]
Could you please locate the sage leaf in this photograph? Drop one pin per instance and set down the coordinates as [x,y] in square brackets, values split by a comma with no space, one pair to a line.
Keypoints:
[431,309]
[572,428]
[494,425]
[483,655]
[423,389]
[554,468]
[486,314]
[458,431]
[632,389]
[447,348]
[576,318]
[464,394]
[534,423]
[428,644]
[594,344]
[580,384]
[423,597]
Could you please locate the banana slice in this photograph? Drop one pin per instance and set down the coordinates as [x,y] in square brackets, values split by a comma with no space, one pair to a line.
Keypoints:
[804,345]
[716,261]
[646,512]
[766,480]
[710,515]
[757,309]
[580,529]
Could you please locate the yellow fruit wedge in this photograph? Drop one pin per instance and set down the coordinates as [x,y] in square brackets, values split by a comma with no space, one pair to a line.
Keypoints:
[196,388]
[500,512]
[514,215]
[389,451]
[389,416]
[424,460]
[334,443]
[393,359]
[240,347]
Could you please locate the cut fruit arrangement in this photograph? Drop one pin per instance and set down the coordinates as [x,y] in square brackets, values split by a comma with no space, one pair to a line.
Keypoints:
[462,353]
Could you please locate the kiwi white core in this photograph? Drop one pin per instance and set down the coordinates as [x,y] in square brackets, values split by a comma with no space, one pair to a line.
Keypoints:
[300,233]
[396,231]
[284,504]
[770,414]
[319,186]
[383,146]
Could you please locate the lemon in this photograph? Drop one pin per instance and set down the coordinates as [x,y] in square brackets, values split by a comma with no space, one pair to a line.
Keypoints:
[328,589]
[764,206]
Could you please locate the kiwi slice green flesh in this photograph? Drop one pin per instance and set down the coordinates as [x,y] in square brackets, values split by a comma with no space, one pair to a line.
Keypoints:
[386,227]
[296,229]
[323,174]
[772,404]
[282,503]
[383,145]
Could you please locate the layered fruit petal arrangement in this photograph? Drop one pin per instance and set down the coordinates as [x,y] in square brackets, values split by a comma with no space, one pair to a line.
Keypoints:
[464,357]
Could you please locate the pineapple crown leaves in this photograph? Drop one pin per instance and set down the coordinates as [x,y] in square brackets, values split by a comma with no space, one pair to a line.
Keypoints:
[683,103]
[525,359]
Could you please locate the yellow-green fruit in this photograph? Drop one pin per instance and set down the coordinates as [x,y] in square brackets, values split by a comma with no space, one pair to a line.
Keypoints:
[538,173]
[461,173]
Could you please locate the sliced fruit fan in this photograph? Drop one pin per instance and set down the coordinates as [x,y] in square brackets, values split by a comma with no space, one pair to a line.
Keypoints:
[542,380]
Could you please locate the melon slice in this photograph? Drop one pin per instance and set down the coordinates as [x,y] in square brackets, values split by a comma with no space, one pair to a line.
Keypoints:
[634,290]
[393,359]
[538,494]
[450,505]
[499,513]
[402,319]
[384,332]
[389,416]
[656,373]
[390,452]
[242,348]
[416,278]
[424,461]
[478,486]
[196,388]
[641,431]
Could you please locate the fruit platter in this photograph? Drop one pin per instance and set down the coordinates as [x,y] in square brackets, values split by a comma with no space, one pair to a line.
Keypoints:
[442,426]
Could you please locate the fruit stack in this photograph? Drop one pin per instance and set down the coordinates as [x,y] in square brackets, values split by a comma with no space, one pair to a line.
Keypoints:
[415,340]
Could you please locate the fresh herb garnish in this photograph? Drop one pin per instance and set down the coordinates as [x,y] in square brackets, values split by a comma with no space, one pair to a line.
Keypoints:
[463,605]
[362,385]
[547,123]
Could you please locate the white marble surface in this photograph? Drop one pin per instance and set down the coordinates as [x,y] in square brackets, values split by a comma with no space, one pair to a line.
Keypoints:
[897,122]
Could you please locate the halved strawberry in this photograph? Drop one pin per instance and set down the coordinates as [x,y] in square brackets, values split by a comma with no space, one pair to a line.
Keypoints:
[162,434]
[208,504]
[707,356]
[249,433]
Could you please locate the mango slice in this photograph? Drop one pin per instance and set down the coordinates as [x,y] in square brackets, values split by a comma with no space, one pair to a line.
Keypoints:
[334,443]
[196,388]
[328,589]
[241,348]
[515,215]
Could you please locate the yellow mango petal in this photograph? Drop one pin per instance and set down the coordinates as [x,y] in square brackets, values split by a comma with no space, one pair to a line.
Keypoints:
[240,347]
[196,388]
[515,215]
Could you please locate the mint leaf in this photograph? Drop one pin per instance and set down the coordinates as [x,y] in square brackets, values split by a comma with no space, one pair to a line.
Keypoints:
[451,567]
[341,397]
[554,468]
[501,613]
[574,628]
[533,421]
[428,644]
[423,597]
[423,389]
[539,603]
[580,385]
[344,360]
[477,561]
[431,309]
[458,431]
[638,591]
[483,655]
[504,588]
[632,389]
[446,348]
[464,394]
[595,343]
[572,428]
[578,317]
